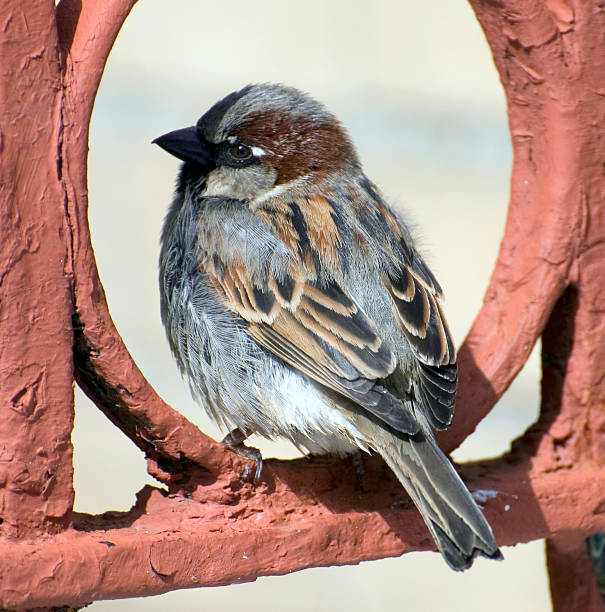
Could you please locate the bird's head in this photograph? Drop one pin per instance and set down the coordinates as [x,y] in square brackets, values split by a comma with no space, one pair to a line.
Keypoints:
[261,138]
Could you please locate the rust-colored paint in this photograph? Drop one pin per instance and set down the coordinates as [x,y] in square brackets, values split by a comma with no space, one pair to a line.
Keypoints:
[547,282]
[301,516]
[575,587]
[36,374]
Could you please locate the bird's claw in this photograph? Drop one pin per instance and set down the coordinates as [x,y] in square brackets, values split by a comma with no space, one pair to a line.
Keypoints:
[234,440]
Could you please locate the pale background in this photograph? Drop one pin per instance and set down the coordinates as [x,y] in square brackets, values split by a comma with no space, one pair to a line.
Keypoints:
[414,84]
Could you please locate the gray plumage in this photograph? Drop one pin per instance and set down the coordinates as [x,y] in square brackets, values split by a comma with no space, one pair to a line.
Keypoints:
[296,304]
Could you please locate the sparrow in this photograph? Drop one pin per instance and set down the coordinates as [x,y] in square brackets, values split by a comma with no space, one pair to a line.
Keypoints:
[297,305]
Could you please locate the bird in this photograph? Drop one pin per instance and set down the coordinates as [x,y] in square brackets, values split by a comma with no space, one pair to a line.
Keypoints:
[297,305]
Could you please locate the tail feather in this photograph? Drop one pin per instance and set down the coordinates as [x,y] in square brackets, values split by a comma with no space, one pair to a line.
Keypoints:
[451,514]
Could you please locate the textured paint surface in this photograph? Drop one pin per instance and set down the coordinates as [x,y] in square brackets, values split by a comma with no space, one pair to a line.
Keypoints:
[303,516]
[548,277]
[36,379]
[573,586]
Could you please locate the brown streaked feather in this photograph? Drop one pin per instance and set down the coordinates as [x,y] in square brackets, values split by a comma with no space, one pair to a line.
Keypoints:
[257,301]
[278,218]
[287,290]
[361,360]
[448,353]
[250,302]
[415,314]
[323,321]
[412,286]
[391,220]
[319,330]
[425,327]
[322,232]
[309,263]
[373,397]
[420,318]
[415,293]
[345,334]
[265,302]
[337,301]
[288,326]
[244,286]
[362,244]
[424,272]
[406,288]
[290,353]
[231,291]
[350,328]
[305,225]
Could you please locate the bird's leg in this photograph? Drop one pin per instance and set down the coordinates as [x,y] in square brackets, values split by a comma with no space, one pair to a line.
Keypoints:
[357,461]
[234,440]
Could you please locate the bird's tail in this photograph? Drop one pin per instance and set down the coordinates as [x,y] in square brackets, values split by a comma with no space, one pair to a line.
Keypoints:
[451,514]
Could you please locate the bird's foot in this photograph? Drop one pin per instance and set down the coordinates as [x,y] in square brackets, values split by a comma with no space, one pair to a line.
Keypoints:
[234,440]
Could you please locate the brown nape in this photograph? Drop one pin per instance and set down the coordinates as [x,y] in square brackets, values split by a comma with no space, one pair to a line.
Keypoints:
[304,145]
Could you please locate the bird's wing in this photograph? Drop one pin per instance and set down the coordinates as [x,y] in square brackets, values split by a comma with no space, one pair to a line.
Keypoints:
[419,315]
[317,328]
[416,295]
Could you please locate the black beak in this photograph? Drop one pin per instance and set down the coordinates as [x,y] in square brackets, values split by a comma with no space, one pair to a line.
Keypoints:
[187,146]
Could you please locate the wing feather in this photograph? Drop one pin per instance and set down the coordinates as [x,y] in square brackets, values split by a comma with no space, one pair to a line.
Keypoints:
[318,329]
[374,398]
[314,325]
[415,293]
[420,317]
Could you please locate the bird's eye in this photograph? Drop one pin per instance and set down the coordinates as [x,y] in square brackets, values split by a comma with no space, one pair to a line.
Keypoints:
[240,151]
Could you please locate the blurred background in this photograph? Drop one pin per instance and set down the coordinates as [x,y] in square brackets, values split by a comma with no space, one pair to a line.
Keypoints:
[415,86]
